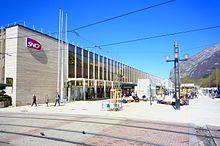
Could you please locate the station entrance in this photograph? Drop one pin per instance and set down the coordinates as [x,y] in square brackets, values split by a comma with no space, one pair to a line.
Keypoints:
[84,89]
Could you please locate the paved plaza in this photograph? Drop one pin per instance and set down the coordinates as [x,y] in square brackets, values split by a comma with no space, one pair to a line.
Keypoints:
[138,123]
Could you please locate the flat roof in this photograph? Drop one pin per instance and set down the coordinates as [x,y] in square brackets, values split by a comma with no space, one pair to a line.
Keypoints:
[47,35]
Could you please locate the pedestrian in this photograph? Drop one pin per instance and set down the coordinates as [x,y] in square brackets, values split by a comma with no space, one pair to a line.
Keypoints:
[34,98]
[47,100]
[57,99]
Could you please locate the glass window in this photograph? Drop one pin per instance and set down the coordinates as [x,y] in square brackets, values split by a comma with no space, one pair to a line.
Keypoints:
[126,73]
[116,68]
[71,61]
[129,74]
[120,68]
[109,71]
[105,68]
[112,70]
[123,72]
[79,62]
[79,83]
[101,68]
[96,66]
[85,64]
[90,65]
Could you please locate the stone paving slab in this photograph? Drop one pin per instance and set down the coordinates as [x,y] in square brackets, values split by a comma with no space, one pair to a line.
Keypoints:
[137,124]
[200,111]
[215,132]
[142,133]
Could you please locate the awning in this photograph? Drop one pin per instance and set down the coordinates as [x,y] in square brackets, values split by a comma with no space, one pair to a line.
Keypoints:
[128,85]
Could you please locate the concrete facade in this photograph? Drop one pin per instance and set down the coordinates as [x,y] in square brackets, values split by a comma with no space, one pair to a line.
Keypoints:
[33,71]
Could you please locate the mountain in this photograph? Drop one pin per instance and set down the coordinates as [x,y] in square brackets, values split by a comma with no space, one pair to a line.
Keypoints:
[199,65]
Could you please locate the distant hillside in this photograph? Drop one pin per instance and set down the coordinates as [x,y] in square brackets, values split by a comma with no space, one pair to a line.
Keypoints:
[198,65]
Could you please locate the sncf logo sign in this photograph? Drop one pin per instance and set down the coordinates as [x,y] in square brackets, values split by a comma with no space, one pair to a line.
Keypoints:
[31,43]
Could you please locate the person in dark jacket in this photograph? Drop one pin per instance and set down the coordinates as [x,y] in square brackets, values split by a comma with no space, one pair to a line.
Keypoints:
[34,98]
[57,99]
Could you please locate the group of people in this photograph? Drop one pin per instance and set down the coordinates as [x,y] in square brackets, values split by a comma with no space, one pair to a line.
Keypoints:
[57,100]
[213,93]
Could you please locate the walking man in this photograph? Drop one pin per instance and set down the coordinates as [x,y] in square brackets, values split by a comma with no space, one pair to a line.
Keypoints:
[34,98]
[47,100]
[57,99]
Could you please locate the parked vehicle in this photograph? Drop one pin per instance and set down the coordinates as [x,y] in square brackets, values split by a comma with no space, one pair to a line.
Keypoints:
[217,94]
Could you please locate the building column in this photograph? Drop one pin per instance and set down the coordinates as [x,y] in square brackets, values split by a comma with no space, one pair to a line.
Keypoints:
[84,86]
[95,89]
[69,92]
[104,89]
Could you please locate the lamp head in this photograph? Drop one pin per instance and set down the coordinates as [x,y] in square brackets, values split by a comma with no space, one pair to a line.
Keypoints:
[186,56]
[167,58]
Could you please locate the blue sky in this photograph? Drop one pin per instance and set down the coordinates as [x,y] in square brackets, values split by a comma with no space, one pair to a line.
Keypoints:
[148,55]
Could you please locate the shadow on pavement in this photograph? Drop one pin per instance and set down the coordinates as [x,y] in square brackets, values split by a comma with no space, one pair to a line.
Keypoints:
[49,138]
[95,117]
[104,123]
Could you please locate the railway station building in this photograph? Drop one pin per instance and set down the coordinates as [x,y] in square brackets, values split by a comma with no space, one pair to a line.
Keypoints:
[35,63]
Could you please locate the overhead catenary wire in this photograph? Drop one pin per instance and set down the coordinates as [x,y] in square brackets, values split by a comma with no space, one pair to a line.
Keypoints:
[158,36]
[125,14]
[122,42]
[200,46]
[99,22]
[147,38]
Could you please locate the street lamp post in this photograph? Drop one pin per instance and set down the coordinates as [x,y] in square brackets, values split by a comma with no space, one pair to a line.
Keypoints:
[176,61]
[150,94]
[118,79]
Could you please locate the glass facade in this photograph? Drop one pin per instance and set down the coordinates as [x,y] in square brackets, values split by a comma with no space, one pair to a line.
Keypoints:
[101,68]
[93,76]
[120,69]
[130,76]
[96,75]
[112,70]
[96,66]
[116,70]
[79,62]
[105,68]
[71,61]
[109,70]
[90,65]
[85,64]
